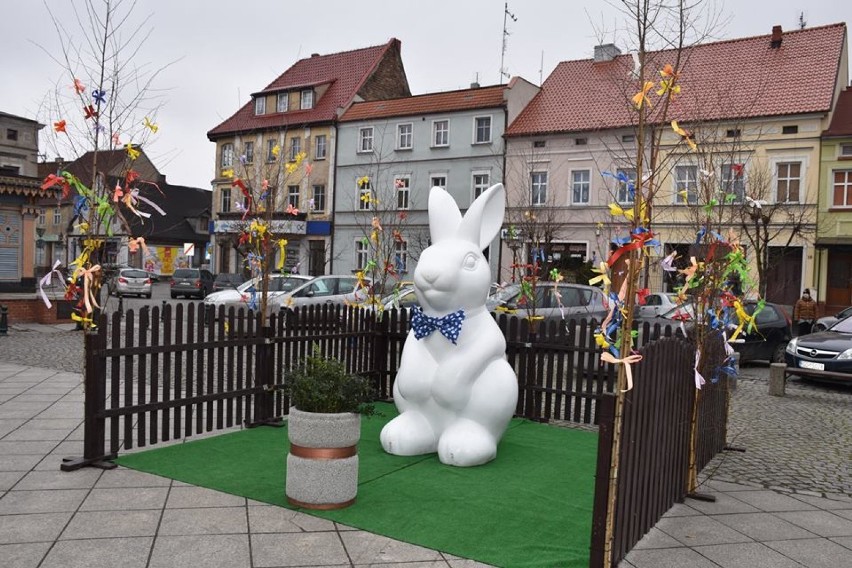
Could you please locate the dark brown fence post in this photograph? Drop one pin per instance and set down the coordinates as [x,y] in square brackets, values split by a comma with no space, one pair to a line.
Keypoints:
[380,338]
[264,402]
[94,421]
[606,417]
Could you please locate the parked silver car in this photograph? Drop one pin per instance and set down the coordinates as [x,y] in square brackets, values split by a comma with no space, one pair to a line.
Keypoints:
[826,322]
[132,282]
[574,301]
[329,289]
[279,285]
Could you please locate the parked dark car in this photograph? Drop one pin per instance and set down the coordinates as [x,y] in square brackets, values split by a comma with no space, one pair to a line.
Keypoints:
[191,283]
[765,342]
[227,281]
[829,350]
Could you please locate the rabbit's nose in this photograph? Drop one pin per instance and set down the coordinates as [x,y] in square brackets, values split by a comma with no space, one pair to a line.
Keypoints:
[429,275]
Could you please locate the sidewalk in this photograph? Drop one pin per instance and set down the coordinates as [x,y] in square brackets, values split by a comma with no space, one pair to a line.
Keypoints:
[125,518]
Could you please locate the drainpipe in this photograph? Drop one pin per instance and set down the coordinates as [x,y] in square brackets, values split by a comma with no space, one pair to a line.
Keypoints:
[332,163]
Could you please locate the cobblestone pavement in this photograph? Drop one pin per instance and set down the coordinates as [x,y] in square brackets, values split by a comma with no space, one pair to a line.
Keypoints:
[801,442]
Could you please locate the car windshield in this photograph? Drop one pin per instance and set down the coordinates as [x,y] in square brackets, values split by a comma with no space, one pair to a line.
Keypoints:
[276,284]
[687,309]
[134,274]
[843,326]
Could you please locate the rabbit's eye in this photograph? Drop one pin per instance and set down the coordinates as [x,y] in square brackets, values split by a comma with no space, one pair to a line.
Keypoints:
[470,261]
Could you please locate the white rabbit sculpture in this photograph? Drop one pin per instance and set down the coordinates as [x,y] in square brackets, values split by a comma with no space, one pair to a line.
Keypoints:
[454,390]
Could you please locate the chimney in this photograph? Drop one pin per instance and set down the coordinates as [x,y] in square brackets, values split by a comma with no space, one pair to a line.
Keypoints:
[315,55]
[474,85]
[59,160]
[776,37]
[606,52]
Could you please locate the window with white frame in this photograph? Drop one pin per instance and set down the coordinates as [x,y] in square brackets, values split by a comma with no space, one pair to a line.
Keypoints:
[402,185]
[295,148]
[404,136]
[481,181]
[482,130]
[538,181]
[365,139]
[439,180]
[362,253]
[42,216]
[308,99]
[319,147]
[365,195]
[260,105]
[293,196]
[249,152]
[789,180]
[270,150]
[733,180]
[401,256]
[319,198]
[686,184]
[57,216]
[441,133]
[842,195]
[283,102]
[580,182]
[227,155]
[845,150]
[625,189]
[225,200]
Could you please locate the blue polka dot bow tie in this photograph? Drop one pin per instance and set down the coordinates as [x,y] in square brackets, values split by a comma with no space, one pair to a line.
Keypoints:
[449,325]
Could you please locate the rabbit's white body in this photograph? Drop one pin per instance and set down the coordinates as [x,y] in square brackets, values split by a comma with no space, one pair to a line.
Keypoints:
[455,398]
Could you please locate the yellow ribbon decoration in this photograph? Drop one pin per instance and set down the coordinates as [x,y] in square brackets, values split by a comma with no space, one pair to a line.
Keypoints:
[603,276]
[608,357]
[744,319]
[601,341]
[616,211]
[132,152]
[282,244]
[641,97]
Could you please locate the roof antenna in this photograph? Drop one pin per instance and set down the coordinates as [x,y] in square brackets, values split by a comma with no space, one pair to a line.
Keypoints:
[802,21]
[541,69]
[506,13]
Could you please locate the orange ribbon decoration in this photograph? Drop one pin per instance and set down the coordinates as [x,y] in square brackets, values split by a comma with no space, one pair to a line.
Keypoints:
[88,275]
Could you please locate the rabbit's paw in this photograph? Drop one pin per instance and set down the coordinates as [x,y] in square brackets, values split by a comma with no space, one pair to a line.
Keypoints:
[466,443]
[409,434]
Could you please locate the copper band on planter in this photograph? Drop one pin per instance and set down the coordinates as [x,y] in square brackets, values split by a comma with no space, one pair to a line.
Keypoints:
[320,506]
[323,453]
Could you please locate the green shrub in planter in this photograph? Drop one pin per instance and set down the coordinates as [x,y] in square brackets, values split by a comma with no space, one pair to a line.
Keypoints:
[324,385]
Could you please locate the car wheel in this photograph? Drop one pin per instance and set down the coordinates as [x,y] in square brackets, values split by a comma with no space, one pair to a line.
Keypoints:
[818,327]
[174,296]
[148,296]
[778,353]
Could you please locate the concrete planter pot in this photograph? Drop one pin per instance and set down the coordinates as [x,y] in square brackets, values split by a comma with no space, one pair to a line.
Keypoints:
[322,466]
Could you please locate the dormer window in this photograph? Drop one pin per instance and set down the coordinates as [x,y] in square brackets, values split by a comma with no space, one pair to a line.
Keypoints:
[307,99]
[260,105]
[282,103]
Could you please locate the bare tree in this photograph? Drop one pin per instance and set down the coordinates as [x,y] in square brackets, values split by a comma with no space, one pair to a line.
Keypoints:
[103,100]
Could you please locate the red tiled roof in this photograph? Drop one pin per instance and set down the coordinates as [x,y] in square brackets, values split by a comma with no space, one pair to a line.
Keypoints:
[346,71]
[722,80]
[465,99]
[841,122]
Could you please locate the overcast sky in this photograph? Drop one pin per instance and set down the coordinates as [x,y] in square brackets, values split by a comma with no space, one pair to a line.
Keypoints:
[225,50]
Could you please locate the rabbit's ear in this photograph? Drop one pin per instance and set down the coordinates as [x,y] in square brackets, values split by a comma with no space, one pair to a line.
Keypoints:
[483,220]
[444,215]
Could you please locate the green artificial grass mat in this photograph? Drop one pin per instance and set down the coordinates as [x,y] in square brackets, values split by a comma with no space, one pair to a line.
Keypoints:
[529,508]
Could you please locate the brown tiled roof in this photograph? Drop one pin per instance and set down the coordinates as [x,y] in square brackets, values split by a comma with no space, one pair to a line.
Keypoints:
[345,71]
[465,99]
[722,80]
[841,122]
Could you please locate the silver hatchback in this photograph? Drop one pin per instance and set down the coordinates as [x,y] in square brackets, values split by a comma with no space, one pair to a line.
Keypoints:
[132,282]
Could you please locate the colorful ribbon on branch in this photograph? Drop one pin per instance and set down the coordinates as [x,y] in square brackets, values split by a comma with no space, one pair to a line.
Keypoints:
[45,280]
[626,361]
[89,298]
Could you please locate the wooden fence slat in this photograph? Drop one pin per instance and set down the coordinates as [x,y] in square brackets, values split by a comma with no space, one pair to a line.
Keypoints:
[154,385]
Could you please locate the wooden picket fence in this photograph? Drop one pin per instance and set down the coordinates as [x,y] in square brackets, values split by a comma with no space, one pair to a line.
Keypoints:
[180,371]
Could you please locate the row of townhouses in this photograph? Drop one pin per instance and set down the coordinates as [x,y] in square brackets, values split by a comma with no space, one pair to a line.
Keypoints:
[772,115]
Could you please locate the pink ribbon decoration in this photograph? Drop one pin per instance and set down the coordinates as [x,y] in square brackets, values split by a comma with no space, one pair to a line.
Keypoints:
[45,280]
[88,275]
[608,357]
[699,380]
